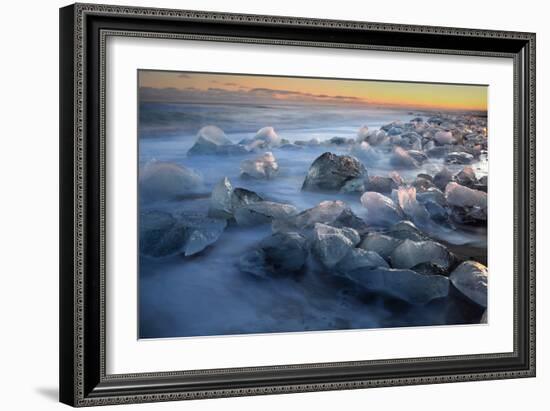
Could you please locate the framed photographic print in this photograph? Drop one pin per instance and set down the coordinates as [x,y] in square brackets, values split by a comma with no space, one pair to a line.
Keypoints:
[262,204]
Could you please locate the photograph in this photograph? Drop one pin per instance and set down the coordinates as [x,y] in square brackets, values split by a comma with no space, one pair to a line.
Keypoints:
[279,204]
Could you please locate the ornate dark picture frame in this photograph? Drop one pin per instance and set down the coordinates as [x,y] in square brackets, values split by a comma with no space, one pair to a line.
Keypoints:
[83,31]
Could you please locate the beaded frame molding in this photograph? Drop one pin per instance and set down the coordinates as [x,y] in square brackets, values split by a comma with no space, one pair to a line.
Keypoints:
[84,29]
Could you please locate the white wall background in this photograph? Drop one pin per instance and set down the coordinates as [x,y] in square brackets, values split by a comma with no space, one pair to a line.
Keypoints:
[29,205]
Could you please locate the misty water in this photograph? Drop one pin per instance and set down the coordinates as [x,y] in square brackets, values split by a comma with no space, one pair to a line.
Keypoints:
[207,294]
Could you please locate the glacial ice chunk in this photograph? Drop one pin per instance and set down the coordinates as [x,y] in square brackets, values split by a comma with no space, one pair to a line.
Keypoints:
[470,278]
[347,218]
[466,177]
[164,180]
[362,133]
[410,141]
[407,285]
[444,137]
[459,158]
[220,200]
[285,252]
[442,178]
[381,210]
[331,244]
[377,137]
[460,196]
[264,167]
[365,152]
[329,172]
[406,198]
[268,136]
[380,243]
[360,258]
[241,197]
[325,212]
[212,140]
[402,159]
[409,253]
[263,212]
[162,234]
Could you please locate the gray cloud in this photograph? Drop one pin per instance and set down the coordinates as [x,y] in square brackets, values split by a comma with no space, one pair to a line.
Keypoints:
[241,95]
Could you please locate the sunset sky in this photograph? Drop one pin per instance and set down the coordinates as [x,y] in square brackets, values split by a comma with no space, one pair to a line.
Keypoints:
[166,86]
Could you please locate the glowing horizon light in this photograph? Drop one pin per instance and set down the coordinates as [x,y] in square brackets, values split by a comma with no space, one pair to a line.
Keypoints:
[172,86]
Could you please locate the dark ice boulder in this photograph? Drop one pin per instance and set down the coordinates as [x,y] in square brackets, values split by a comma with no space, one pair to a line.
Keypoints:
[460,196]
[254,262]
[432,194]
[348,219]
[163,180]
[278,254]
[381,184]
[388,126]
[435,203]
[435,120]
[329,172]
[409,254]
[406,230]
[422,184]
[340,141]
[285,251]
[410,141]
[442,178]
[470,278]
[474,139]
[201,232]
[395,131]
[428,145]
[381,210]
[263,212]
[482,183]
[356,185]
[418,156]
[331,244]
[459,158]
[444,137]
[225,199]
[153,227]
[438,151]
[406,285]
[241,197]
[425,176]
[220,200]
[162,234]
[360,258]
[400,158]
[380,243]
[437,212]
[212,140]
[325,212]
[466,177]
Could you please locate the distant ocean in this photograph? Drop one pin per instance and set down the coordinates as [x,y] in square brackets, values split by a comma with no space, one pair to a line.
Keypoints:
[163,119]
